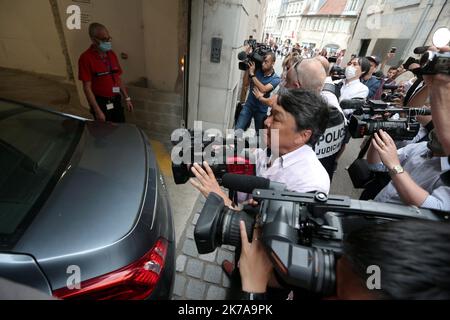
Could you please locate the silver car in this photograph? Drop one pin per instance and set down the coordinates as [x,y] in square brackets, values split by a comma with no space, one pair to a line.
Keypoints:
[84,211]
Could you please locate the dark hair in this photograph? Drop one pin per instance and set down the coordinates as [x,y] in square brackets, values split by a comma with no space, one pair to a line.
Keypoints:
[414,258]
[364,64]
[309,110]
[393,68]
[273,55]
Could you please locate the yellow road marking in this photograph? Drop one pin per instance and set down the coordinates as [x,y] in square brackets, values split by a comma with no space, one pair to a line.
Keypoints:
[162,157]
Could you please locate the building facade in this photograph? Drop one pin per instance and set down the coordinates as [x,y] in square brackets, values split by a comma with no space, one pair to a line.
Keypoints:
[328,24]
[317,23]
[404,24]
[272,30]
[289,19]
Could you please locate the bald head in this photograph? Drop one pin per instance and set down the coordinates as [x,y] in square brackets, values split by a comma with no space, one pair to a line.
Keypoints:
[309,74]
[325,63]
[312,75]
[95,29]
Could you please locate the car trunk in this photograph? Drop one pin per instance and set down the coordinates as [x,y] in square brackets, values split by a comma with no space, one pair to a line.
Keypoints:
[94,206]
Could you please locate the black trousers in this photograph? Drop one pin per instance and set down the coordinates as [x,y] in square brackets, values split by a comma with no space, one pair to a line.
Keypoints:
[116,115]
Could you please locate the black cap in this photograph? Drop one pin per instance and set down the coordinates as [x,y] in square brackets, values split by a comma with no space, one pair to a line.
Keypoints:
[374,59]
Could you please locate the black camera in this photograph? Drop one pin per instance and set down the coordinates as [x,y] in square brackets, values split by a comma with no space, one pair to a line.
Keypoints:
[433,63]
[391,96]
[257,55]
[374,115]
[223,155]
[302,233]
[337,73]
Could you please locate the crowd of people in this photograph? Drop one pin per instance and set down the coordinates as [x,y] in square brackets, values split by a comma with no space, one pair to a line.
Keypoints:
[304,105]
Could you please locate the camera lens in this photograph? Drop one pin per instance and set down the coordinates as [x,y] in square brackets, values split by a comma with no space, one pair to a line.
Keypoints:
[219,225]
[231,233]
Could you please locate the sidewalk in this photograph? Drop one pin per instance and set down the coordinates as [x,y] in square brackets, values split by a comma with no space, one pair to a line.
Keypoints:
[200,277]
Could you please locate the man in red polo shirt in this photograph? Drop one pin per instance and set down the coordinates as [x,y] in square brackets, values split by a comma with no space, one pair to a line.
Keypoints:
[100,72]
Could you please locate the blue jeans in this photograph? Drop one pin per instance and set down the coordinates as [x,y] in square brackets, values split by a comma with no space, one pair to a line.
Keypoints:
[245,118]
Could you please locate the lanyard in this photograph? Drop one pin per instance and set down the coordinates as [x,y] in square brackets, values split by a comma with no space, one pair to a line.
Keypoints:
[107,62]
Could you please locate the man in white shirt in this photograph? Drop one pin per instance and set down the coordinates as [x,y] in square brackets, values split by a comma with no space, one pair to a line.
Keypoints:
[353,88]
[415,170]
[299,118]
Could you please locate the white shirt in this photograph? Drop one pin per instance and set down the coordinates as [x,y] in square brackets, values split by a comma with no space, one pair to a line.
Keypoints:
[354,89]
[300,170]
[426,172]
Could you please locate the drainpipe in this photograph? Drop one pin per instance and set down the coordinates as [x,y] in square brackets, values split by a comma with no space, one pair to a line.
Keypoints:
[418,28]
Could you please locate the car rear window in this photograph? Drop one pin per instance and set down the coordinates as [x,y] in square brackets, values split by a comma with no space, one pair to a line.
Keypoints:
[35,147]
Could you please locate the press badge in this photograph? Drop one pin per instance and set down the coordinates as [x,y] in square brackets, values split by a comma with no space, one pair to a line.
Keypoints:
[109,106]
[116,89]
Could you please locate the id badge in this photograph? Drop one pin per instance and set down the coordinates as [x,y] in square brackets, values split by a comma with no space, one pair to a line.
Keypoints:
[116,89]
[109,106]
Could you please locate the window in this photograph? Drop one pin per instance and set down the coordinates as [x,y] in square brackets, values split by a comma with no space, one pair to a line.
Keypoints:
[352,5]
[323,23]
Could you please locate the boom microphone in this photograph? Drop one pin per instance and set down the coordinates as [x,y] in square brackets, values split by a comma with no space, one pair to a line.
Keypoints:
[352,104]
[242,55]
[244,184]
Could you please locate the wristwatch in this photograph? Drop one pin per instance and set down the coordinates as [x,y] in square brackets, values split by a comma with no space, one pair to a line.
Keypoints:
[128,99]
[252,76]
[398,169]
[253,296]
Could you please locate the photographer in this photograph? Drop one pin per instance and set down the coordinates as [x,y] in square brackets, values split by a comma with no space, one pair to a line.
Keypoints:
[372,82]
[299,119]
[440,96]
[416,268]
[310,74]
[265,80]
[415,171]
[352,87]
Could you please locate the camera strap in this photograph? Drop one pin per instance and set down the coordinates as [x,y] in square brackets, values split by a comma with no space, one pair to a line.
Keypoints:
[364,149]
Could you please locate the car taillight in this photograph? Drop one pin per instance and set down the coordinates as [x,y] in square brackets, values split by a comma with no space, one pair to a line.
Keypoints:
[134,282]
[239,165]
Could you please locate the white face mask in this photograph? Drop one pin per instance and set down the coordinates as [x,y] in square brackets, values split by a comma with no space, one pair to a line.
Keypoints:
[350,72]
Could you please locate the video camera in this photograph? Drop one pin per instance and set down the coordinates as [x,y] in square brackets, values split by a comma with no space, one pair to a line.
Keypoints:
[374,115]
[223,155]
[433,62]
[257,55]
[391,96]
[302,233]
[337,73]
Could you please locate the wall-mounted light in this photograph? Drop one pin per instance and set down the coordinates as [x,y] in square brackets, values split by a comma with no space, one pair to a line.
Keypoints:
[182,64]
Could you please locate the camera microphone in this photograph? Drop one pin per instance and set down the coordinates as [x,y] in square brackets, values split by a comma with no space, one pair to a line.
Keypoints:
[242,55]
[248,184]
[244,184]
[352,104]
[421,50]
